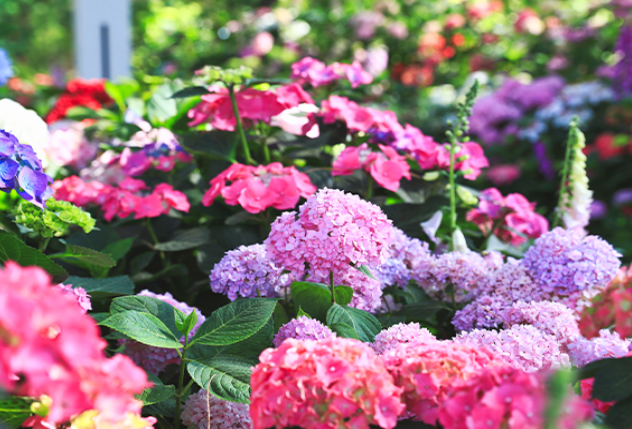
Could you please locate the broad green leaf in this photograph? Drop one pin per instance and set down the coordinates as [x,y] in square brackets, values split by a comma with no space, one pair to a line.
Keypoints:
[235,322]
[301,312]
[366,271]
[343,294]
[13,249]
[144,328]
[86,256]
[161,106]
[118,249]
[14,410]
[140,262]
[156,394]
[184,239]
[218,144]
[165,408]
[279,316]
[407,216]
[613,381]
[423,310]
[364,324]
[191,91]
[619,415]
[185,326]
[102,288]
[227,377]
[314,298]
[344,330]
[147,304]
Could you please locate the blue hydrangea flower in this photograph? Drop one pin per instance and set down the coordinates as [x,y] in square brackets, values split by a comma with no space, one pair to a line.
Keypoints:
[6,67]
[20,169]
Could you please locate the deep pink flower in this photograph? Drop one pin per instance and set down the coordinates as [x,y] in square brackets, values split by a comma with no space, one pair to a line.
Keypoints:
[356,117]
[503,174]
[316,73]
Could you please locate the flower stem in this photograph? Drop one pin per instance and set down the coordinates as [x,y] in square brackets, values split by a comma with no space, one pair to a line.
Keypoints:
[44,244]
[240,127]
[565,173]
[181,390]
[331,285]
[150,229]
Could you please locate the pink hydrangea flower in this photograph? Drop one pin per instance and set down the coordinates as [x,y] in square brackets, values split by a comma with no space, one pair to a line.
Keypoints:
[552,318]
[79,192]
[606,345]
[302,328]
[50,347]
[257,188]
[203,411]
[155,359]
[67,145]
[522,346]
[427,371]
[79,294]
[330,383]
[401,333]
[316,73]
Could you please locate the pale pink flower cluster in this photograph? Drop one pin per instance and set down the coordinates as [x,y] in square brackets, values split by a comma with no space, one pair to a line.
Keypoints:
[129,197]
[332,231]
[302,328]
[316,73]
[257,188]
[50,347]
[426,372]
[155,359]
[522,346]
[205,411]
[79,294]
[408,256]
[607,344]
[332,383]
[552,318]
[506,397]
[67,145]
[401,333]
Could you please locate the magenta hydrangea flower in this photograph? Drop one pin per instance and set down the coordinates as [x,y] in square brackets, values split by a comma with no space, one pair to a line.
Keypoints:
[248,272]
[203,411]
[564,262]
[332,230]
[79,294]
[155,359]
[302,328]
[607,344]
[552,318]
[400,334]
[522,346]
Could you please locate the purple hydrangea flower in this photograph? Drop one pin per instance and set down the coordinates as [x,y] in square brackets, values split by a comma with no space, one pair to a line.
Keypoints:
[400,334]
[607,344]
[622,81]
[302,328]
[205,411]
[247,272]
[6,67]
[562,261]
[155,359]
[393,272]
[20,169]
[484,312]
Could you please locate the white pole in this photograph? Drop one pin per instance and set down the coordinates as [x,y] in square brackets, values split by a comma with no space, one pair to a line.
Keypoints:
[102,37]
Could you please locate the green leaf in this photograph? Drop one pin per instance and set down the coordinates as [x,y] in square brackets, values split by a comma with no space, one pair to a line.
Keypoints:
[147,304]
[227,377]
[408,216]
[13,249]
[14,410]
[314,298]
[619,415]
[85,255]
[613,381]
[343,294]
[118,249]
[156,394]
[185,326]
[365,270]
[279,316]
[184,239]
[165,408]
[345,331]
[302,313]
[144,328]
[218,144]
[423,310]
[235,322]
[191,91]
[140,262]
[364,324]
[161,106]
[103,288]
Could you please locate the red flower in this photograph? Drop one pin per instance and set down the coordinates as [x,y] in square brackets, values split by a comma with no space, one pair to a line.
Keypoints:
[79,92]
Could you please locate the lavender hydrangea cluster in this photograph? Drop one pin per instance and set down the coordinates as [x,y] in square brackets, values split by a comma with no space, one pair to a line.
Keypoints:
[302,328]
[248,272]
[607,344]
[408,256]
[205,411]
[482,313]
[563,262]
[522,346]
[21,170]
[400,334]
[155,359]
[6,67]
[622,70]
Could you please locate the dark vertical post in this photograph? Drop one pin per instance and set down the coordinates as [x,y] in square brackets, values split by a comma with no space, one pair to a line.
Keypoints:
[105,51]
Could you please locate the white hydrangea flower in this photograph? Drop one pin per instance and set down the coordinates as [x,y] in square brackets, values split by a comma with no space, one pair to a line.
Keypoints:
[26,126]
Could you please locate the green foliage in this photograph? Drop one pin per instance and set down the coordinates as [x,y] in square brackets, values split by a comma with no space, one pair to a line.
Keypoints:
[102,288]
[55,220]
[14,249]
[212,74]
[144,328]
[348,320]
[14,410]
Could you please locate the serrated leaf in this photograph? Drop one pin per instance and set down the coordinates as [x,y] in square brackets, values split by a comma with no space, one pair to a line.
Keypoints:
[343,294]
[227,377]
[156,394]
[184,239]
[144,328]
[314,298]
[14,410]
[165,408]
[147,304]
[102,288]
[365,270]
[191,91]
[187,324]
[235,322]
[86,256]
[343,330]
[13,249]
[364,324]
[301,312]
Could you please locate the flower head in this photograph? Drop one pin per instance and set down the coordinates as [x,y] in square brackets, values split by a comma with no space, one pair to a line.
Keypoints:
[202,407]
[302,328]
[6,67]
[552,318]
[606,345]
[329,383]
[401,333]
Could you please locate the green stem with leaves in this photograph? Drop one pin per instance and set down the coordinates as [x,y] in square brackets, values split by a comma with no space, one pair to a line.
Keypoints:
[154,237]
[177,419]
[240,127]
[566,168]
